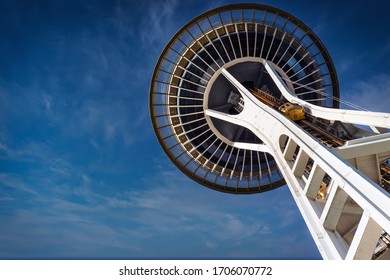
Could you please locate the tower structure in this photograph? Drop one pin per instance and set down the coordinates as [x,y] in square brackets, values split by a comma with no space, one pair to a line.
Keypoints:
[245,99]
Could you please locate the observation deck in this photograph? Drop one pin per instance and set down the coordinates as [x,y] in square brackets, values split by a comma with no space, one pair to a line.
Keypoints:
[187,81]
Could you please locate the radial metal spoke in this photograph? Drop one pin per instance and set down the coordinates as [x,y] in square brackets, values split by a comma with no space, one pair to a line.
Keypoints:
[209,158]
[292,56]
[192,63]
[192,139]
[181,88]
[255,44]
[185,97]
[185,115]
[311,91]
[270,46]
[268,166]
[262,45]
[247,39]
[189,139]
[291,42]
[220,40]
[235,163]
[306,85]
[204,141]
[230,39]
[184,70]
[189,131]
[190,122]
[217,149]
[186,106]
[204,49]
[277,50]
[212,44]
[302,69]
[259,162]
[238,39]
[251,172]
[317,99]
[243,165]
[219,159]
[297,63]
[228,160]
[308,75]
[196,55]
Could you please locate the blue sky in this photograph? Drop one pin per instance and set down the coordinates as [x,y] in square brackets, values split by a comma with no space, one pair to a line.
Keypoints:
[81,173]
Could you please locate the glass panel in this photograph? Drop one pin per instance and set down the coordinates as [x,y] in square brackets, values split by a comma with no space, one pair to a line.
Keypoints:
[215,21]
[248,15]
[195,31]
[237,16]
[226,17]
[205,25]
[259,16]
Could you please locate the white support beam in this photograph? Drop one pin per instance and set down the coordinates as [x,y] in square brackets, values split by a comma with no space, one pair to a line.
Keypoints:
[347,116]
[365,239]
[376,144]
[314,182]
[249,146]
[333,213]
[300,163]
[290,149]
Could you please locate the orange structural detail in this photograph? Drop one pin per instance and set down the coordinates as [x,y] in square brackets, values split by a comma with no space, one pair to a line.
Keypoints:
[293,111]
[266,98]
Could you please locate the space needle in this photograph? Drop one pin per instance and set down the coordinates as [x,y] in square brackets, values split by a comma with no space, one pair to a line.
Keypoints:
[245,99]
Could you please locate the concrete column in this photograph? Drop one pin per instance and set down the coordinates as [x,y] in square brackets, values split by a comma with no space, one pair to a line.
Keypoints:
[314,182]
[335,209]
[369,166]
[290,149]
[300,163]
[365,239]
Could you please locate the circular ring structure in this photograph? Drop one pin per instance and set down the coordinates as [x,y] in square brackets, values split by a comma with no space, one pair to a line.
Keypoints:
[187,81]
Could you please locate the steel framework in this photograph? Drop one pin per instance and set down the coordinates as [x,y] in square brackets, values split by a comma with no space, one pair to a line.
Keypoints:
[214,101]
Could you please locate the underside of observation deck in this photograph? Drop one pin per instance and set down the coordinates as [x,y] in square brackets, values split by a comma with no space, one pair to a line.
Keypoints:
[186,81]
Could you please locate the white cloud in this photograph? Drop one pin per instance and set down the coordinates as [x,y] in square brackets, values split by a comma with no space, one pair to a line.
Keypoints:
[176,205]
[321,23]
[166,205]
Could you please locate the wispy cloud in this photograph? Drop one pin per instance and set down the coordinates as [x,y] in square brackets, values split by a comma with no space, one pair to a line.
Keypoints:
[79,185]
[158,22]
[72,207]
[372,93]
[15,182]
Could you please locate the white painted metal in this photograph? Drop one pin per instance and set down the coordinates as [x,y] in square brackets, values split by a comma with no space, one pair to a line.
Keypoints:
[347,116]
[349,188]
